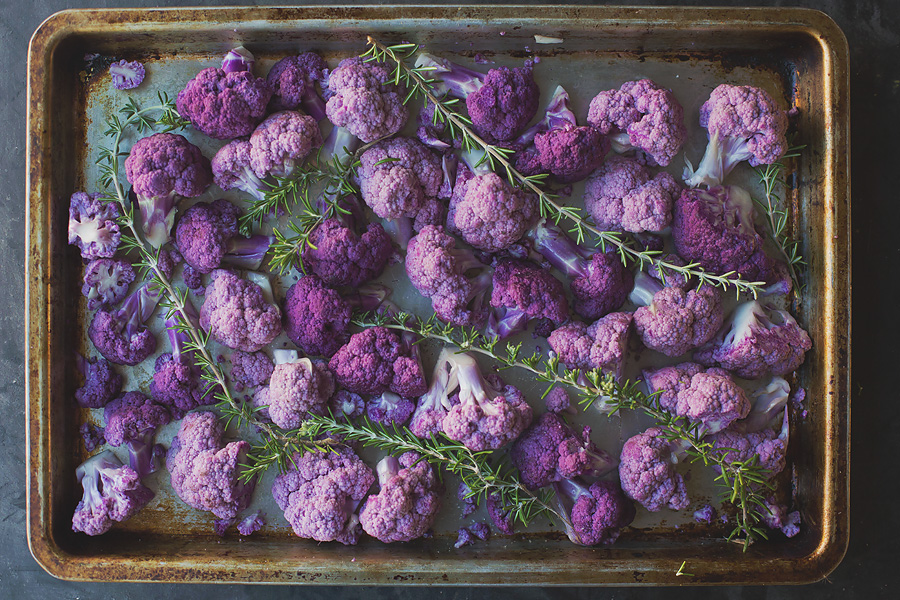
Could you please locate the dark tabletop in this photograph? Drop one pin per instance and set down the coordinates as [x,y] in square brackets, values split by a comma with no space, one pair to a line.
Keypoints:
[870,568]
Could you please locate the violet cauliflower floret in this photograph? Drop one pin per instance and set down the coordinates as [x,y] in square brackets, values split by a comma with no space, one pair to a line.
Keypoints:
[346,405]
[673,320]
[596,512]
[641,116]
[492,215]
[162,169]
[343,257]
[621,195]
[486,418]
[126,75]
[647,472]
[106,282]
[743,123]
[231,169]
[120,334]
[112,493]
[281,142]
[390,409]
[767,446]
[756,340]
[364,99]
[250,369]
[407,502]
[207,236]
[251,523]
[101,382]
[397,176]
[93,225]
[224,105]
[298,388]
[551,450]
[238,59]
[316,318]
[712,399]
[237,314]
[521,292]
[130,415]
[177,383]
[427,420]
[205,471]
[293,82]
[600,345]
[320,493]
[378,360]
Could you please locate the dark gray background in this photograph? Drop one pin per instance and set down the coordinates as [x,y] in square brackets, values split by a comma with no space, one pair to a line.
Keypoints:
[870,568]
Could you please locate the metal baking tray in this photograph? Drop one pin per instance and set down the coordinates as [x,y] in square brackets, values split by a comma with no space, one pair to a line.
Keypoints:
[799,55]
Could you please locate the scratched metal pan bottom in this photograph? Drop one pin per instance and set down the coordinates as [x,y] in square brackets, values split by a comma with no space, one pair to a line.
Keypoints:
[798,55]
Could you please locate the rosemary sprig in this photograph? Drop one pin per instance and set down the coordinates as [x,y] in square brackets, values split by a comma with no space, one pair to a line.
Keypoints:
[776,215]
[420,84]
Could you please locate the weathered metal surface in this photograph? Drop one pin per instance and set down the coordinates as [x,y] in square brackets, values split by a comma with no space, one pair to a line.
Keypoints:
[798,54]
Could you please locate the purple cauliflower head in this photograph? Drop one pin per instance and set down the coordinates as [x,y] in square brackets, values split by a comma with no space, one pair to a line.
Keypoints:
[130,415]
[397,176]
[316,318]
[597,512]
[224,105]
[601,345]
[298,388]
[504,103]
[713,399]
[364,99]
[390,409]
[112,493]
[767,445]
[93,225]
[237,314]
[492,215]
[231,169]
[569,153]
[377,360]
[207,235]
[293,82]
[647,472]
[250,369]
[101,382]
[522,287]
[281,142]
[557,401]
[342,257]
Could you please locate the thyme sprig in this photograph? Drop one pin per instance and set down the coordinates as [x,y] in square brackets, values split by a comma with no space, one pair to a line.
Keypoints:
[776,215]
[419,82]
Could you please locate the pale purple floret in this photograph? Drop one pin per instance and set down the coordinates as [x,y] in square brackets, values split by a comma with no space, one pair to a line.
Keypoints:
[647,472]
[92,436]
[673,320]
[557,401]
[206,471]
[132,414]
[231,169]
[712,399]
[93,226]
[641,116]
[427,420]
[162,169]
[101,382]
[521,292]
[341,255]
[298,388]
[487,417]
[112,494]
[743,123]
[364,99]
[207,236]
[316,318]
[126,75]
[177,382]
[120,334]
[597,512]
[237,60]
[390,409]
[551,450]
[238,314]
[251,523]
[397,176]
[224,105]
[250,369]
[438,270]
[407,502]
[293,82]
[599,281]
[106,282]
[622,195]
[281,142]
[600,345]
[756,340]
[705,515]
[320,493]
[346,405]
[490,214]
[378,360]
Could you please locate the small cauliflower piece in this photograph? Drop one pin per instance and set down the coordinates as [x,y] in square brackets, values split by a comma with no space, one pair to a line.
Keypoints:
[647,472]
[600,345]
[237,314]
[106,282]
[293,82]
[101,382]
[93,225]
[490,214]
[522,292]
[120,335]
[281,142]
[363,98]
[398,176]
[224,105]
[298,388]
[207,236]
[250,369]
[316,318]
[597,512]
[342,255]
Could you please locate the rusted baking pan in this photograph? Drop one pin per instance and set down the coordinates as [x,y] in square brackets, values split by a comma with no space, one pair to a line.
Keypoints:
[799,55]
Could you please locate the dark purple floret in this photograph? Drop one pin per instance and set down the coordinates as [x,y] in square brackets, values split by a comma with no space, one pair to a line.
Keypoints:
[224,105]
[377,360]
[705,515]
[120,334]
[343,257]
[390,409]
[251,523]
[130,415]
[126,75]
[469,502]
[521,292]
[316,318]
[293,82]
[464,537]
[597,512]
[106,282]
[101,382]
[502,519]
[207,236]
[177,383]
[250,369]
[237,60]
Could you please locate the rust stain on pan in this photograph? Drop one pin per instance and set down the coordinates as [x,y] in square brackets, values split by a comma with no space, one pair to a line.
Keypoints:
[804,47]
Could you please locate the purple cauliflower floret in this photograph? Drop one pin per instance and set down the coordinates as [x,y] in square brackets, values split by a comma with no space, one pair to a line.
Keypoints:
[768,446]
[177,383]
[550,450]
[468,500]
[293,82]
[743,123]
[231,169]
[464,537]
[106,282]
[364,99]
[492,215]
[378,360]
[126,75]
[674,320]
[237,60]
[705,515]
[486,418]
[437,269]
[237,314]
[397,176]
[250,369]
[621,195]
[130,415]
[120,334]
[298,388]
[643,116]
[597,513]
[756,340]
[207,235]
[599,282]
[647,472]
[390,409]
[320,493]
[92,436]
[251,523]
[601,345]
[521,292]
[316,318]
[162,169]
[346,405]
[407,503]
[343,257]
[224,105]
[281,142]
[101,382]
[112,493]
[557,401]
[427,420]
[205,472]
[93,226]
